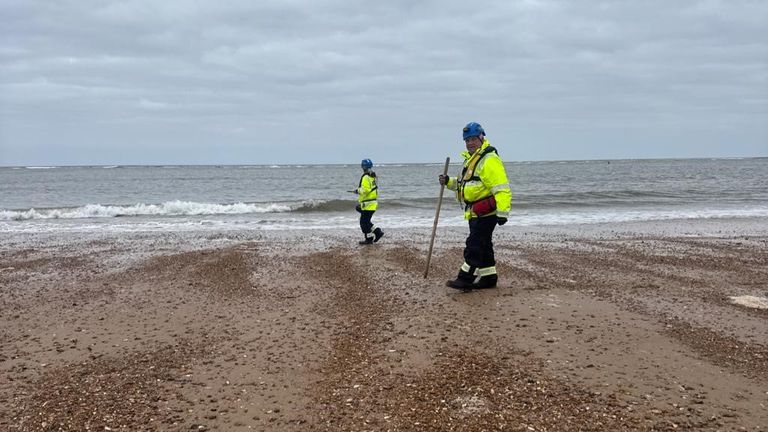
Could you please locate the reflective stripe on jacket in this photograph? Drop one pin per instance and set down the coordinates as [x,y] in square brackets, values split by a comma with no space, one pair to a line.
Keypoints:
[367,192]
[482,176]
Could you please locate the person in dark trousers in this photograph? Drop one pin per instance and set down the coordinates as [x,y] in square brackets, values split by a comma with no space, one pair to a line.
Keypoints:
[367,194]
[483,190]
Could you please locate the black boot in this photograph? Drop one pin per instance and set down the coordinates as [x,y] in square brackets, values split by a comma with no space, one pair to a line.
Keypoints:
[459,285]
[486,282]
[462,282]
[378,234]
[367,241]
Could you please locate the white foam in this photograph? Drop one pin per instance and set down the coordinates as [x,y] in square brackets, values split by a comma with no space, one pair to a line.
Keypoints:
[171,208]
[750,301]
[594,217]
[182,215]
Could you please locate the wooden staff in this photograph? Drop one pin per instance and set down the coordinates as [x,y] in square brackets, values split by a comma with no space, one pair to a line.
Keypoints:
[437,215]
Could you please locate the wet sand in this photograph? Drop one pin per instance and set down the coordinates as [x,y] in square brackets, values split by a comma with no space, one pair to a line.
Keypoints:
[604,328]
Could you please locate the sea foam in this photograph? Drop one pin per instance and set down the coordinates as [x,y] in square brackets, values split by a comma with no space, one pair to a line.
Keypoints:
[171,208]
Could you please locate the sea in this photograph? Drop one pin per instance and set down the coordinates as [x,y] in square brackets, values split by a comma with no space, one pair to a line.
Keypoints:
[39,199]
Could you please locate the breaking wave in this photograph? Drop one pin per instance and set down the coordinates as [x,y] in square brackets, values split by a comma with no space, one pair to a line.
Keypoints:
[183,208]
[171,208]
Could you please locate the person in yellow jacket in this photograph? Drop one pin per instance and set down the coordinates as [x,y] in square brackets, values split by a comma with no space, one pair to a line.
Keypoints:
[483,190]
[367,197]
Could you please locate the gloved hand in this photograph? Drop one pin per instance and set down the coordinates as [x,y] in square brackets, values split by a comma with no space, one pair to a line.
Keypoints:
[443,179]
[501,220]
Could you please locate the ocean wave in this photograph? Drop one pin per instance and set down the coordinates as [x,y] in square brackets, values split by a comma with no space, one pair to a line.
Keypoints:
[595,202]
[171,208]
[596,217]
[605,198]
[188,208]
[344,205]
[311,206]
[349,221]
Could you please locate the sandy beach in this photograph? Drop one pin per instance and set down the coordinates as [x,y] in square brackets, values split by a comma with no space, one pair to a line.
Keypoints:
[627,326]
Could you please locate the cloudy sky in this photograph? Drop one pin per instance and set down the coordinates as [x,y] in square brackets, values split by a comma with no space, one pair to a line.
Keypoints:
[315,81]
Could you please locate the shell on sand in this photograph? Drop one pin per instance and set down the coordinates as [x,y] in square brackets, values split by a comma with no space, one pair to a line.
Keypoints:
[751,301]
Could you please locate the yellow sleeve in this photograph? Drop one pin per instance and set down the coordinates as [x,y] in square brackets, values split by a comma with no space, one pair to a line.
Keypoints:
[494,177]
[452,183]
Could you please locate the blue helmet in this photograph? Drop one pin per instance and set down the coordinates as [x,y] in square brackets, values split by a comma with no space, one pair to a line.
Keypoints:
[473,129]
[366,164]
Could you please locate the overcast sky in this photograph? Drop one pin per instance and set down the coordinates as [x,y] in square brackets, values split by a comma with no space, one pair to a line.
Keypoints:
[307,81]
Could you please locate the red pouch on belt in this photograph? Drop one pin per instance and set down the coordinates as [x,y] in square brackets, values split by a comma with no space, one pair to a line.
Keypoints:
[484,206]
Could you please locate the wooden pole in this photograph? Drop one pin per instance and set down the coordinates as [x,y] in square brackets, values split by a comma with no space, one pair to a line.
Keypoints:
[437,216]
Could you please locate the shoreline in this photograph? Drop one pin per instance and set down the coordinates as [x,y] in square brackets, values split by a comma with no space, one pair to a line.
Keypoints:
[593,327]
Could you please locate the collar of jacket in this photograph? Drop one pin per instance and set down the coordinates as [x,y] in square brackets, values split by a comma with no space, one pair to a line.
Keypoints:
[465,154]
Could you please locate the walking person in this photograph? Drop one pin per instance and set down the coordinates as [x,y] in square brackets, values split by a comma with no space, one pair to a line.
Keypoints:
[367,194]
[483,190]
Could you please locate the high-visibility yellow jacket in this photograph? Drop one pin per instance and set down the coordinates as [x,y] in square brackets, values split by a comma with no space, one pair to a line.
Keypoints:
[368,192]
[482,176]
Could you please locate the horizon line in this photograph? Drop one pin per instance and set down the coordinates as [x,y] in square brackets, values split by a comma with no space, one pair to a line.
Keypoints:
[377,164]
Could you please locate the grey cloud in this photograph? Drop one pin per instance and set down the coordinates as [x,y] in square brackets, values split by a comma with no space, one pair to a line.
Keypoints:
[334,79]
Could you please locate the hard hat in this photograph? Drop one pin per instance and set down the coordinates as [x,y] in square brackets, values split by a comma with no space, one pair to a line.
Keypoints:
[473,129]
[366,164]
